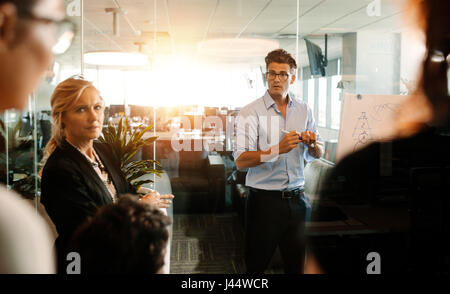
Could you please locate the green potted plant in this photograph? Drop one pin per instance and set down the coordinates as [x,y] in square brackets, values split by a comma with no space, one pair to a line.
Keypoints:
[125,144]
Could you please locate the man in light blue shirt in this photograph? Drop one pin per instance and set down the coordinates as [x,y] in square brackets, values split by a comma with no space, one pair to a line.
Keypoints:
[275,135]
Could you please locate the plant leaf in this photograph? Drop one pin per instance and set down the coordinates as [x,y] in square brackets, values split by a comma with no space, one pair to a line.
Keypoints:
[125,144]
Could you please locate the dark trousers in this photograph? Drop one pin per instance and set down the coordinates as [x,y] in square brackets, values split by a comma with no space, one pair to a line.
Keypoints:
[270,222]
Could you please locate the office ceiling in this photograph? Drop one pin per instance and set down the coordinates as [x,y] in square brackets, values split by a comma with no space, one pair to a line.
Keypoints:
[182,24]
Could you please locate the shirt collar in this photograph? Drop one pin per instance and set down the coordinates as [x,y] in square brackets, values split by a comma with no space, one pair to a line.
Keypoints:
[268,101]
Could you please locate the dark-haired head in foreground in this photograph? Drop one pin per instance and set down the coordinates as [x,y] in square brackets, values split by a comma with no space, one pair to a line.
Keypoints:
[127,237]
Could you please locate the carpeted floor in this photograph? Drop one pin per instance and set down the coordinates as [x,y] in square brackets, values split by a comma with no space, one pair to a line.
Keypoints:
[214,243]
[207,243]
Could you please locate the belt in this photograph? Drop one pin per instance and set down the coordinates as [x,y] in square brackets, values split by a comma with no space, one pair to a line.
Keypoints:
[283,194]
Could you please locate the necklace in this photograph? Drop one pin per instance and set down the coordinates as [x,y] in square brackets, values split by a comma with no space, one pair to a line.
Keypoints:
[96,163]
[101,171]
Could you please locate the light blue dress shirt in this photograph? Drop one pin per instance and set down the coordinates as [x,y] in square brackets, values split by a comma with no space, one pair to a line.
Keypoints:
[258,127]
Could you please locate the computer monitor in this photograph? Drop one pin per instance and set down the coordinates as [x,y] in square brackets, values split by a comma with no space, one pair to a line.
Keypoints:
[141,111]
[26,128]
[116,109]
[192,118]
[317,62]
[211,111]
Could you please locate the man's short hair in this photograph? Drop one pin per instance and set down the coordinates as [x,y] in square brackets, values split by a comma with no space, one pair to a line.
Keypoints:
[126,237]
[281,56]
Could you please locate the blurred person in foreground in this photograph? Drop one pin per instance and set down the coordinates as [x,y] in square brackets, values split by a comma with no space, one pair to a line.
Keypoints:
[29,30]
[80,174]
[127,237]
[422,146]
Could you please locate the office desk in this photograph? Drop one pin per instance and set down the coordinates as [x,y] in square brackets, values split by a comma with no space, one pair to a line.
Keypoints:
[183,135]
[361,219]
[342,247]
[162,185]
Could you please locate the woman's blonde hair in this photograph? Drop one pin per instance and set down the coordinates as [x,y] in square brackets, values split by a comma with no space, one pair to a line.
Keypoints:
[65,95]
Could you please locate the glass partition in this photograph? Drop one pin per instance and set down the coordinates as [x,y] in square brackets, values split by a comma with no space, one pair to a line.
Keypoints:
[205,57]
[196,63]
[26,132]
[366,49]
[205,61]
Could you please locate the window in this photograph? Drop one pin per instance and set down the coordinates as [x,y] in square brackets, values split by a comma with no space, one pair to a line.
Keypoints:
[321,121]
[335,102]
[311,97]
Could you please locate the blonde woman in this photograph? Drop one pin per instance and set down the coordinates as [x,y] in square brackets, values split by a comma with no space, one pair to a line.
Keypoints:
[80,175]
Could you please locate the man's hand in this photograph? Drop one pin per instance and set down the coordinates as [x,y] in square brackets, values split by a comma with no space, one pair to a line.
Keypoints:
[315,148]
[157,200]
[289,142]
[309,138]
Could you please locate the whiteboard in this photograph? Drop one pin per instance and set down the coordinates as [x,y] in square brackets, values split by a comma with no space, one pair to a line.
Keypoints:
[366,119]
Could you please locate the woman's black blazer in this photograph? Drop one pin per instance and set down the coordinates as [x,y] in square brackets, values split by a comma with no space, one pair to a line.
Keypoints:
[71,190]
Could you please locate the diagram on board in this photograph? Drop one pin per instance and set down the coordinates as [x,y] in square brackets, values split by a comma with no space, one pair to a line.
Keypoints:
[362,132]
[366,119]
[384,111]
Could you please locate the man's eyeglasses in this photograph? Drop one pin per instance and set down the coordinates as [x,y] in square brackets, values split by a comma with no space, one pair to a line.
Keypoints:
[65,32]
[283,76]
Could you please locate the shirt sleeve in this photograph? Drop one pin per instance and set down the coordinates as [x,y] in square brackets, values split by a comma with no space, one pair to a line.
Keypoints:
[246,133]
[311,126]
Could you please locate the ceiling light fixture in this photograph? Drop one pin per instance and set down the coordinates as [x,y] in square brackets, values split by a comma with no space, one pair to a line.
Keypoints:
[239,48]
[115,58]
[116,12]
[140,45]
[332,29]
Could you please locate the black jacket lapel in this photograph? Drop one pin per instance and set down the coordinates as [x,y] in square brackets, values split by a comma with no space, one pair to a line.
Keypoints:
[88,172]
[112,167]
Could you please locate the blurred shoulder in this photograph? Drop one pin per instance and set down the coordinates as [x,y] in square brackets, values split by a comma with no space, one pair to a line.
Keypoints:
[21,226]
